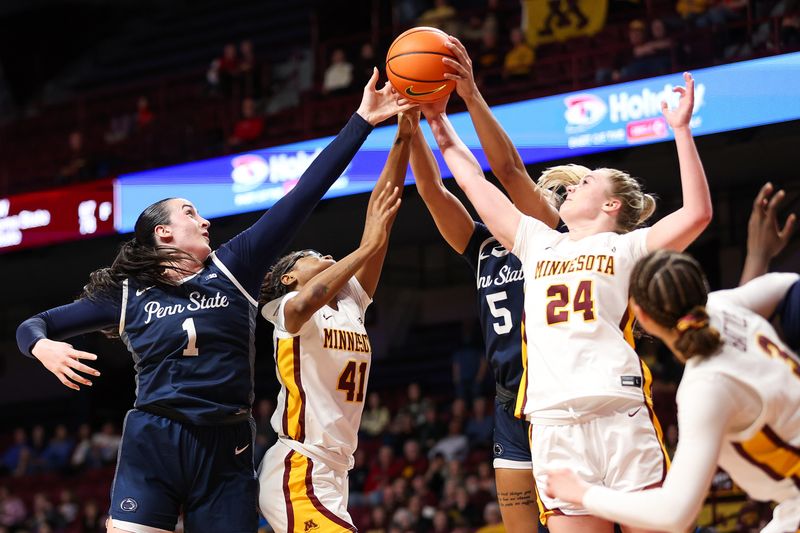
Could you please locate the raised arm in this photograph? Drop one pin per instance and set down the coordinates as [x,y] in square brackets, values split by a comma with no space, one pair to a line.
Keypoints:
[765,238]
[40,337]
[323,287]
[252,252]
[504,159]
[494,208]
[393,174]
[449,214]
[679,229]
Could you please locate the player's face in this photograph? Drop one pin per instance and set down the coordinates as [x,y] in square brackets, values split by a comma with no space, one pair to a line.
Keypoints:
[585,200]
[310,265]
[187,229]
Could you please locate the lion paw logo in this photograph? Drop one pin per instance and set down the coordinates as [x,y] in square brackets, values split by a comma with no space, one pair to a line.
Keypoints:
[310,525]
[498,449]
[129,505]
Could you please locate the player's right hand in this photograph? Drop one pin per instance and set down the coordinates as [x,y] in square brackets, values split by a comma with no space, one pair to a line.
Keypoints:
[63,360]
[765,238]
[381,213]
[464,78]
[431,110]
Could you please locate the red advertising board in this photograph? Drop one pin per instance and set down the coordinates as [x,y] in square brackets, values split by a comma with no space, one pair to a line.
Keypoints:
[57,215]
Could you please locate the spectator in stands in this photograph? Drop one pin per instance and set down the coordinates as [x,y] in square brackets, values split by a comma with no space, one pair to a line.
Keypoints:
[492,519]
[144,115]
[441,522]
[469,364]
[480,425]
[339,74]
[213,78]
[419,487]
[37,446]
[107,441]
[119,128]
[690,10]
[249,128]
[650,56]
[518,62]
[383,470]
[489,60]
[365,64]
[454,446]
[57,454]
[12,510]
[415,404]
[442,15]
[463,512]
[68,506]
[790,31]
[412,463]
[84,454]
[14,453]
[376,416]
[78,166]
[92,520]
[435,476]
[249,75]
[357,478]
[44,514]
[377,520]
[486,478]
[430,430]
[228,69]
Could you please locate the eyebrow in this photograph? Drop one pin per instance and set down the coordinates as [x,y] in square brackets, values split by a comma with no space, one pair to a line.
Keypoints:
[189,206]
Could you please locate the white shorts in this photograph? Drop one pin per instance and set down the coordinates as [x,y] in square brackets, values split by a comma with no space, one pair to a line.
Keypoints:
[785,517]
[297,493]
[621,450]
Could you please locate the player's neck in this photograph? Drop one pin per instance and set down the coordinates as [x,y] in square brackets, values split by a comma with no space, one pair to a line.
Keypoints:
[586,228]
[183,269]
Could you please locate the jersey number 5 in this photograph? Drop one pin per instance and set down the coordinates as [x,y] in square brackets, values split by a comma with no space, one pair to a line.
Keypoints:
[501,328]
[351,383]
[557,311]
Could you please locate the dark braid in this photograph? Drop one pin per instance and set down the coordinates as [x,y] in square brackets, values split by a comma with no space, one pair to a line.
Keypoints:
[672,289]
[272,287]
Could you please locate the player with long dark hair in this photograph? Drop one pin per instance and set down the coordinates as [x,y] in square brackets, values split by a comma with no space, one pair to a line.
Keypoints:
[738,400]
[187,315]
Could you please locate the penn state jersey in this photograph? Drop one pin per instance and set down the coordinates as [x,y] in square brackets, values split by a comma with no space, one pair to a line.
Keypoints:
[192,345]
[500,284]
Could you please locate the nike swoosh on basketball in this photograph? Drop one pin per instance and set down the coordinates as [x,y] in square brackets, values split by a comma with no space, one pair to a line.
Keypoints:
[633,413]
[411,92]
[139,292]
[238,450]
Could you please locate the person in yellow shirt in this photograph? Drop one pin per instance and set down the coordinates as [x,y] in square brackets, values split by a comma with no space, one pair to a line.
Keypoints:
[519,60]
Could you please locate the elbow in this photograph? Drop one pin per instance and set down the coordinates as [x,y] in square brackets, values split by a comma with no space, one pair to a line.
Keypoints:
[703,216]
[506,172]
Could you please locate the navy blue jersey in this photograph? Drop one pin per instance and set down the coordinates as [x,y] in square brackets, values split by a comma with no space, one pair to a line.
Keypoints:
[193,343]
[500,286]
[789,312]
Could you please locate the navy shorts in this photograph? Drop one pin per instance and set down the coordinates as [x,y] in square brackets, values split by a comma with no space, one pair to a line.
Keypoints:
[511,445]
[165,467]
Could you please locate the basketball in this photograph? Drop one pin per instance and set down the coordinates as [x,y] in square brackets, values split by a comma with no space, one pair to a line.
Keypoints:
[414,65]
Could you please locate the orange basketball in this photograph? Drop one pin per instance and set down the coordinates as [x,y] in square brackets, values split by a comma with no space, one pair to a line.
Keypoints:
[414,65]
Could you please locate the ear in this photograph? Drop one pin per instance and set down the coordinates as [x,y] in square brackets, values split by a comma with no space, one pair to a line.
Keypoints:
[288,279]
[163,231]
[612,205]
[641,316]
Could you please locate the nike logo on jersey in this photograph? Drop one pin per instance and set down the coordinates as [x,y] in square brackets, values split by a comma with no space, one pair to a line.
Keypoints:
[139,292]
[238,450]
[327,317]
[633,413]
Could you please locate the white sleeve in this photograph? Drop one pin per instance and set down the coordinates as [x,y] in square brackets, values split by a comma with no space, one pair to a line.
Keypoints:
[273,311]
[358,294]
[529,231]
[760,295]
[635,242]
[706,407]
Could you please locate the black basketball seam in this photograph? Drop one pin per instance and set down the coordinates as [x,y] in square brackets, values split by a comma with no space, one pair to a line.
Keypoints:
[414,53]
[434,30]
[413,79]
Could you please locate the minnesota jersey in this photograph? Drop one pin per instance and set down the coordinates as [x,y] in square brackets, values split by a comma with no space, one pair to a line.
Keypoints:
[499,281]
[192,345]
[577,328]
[323,370]
[764,458]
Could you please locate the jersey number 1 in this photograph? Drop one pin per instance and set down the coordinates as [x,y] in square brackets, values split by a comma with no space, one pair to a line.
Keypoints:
[191,347]
[350,383]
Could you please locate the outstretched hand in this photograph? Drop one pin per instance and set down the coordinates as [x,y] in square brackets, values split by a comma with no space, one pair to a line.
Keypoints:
[380,216]
[63,360]
[566,485]
[765,238]
[433,109]
[408,122]
[379,105]
[464,78]
[681,115]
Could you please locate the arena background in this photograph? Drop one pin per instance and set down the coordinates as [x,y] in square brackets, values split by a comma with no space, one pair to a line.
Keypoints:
[73,65]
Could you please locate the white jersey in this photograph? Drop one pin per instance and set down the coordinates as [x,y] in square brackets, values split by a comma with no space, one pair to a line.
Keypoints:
[577,327]
[764,457]
[323,370]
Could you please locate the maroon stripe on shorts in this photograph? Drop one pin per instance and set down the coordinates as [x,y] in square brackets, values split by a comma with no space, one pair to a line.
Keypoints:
[652,415]
[318,504]
[287,494]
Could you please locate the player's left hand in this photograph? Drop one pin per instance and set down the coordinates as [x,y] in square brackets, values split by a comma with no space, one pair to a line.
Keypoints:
[408,122]
[379,105]
[433,109]
[464,78]
[566,485]
[681,115]
[765,238]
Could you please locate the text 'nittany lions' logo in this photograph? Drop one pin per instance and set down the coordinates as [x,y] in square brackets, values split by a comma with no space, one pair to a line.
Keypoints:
[308,525]
[129,505]
[411,92]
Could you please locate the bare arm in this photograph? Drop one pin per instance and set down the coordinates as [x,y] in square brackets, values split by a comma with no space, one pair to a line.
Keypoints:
[494,208]
[504,159]
[679,229]
[393,174]
[323,287]
[765,238]
[451,217]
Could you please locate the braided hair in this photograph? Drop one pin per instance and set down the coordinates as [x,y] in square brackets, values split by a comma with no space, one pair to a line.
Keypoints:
[672,289]
[272,287]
